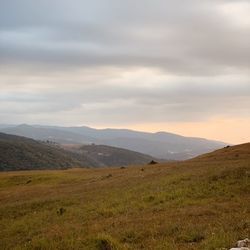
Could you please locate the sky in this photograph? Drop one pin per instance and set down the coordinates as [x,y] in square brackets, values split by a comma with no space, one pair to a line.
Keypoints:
[150,65]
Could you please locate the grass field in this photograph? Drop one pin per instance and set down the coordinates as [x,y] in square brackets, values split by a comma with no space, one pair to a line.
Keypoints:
[198,204]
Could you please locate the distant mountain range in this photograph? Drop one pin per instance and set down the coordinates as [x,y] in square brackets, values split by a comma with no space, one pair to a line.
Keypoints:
[160,145]
[21,153]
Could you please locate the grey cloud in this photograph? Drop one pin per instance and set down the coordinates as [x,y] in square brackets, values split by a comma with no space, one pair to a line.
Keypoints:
[179,37]
[102,103]
[67,59]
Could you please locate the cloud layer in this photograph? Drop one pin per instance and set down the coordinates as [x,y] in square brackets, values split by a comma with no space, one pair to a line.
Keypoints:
[109,63]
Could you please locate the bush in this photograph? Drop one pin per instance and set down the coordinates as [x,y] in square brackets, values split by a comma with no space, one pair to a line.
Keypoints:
[105,242]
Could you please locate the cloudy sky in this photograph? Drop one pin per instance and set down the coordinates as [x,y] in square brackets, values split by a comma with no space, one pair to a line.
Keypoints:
[169,65]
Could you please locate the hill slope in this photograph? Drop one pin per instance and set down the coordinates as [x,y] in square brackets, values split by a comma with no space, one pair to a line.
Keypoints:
[113,156]
[17,153]
[160,145]
[192,205]
[238,152]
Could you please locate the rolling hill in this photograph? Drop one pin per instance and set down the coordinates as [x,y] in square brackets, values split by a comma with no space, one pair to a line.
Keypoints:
[160,145]
[238,152]
[113,156]
[17,153]
[191,205]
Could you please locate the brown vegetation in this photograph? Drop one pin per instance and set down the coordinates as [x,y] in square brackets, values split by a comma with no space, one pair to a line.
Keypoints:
[198,204]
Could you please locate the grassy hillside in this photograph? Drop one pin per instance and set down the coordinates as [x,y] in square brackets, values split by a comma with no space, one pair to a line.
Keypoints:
[112,156]
[199,204]
[21,153]
[228,153]
[17,153]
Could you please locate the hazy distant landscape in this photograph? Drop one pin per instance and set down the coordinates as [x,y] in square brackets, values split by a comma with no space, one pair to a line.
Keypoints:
[160,145]
[21,153]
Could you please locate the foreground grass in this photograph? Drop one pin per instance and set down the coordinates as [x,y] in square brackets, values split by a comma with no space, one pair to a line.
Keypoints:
[189,205]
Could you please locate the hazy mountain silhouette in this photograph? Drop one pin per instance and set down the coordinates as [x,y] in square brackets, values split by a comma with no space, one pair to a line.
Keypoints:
[161,144]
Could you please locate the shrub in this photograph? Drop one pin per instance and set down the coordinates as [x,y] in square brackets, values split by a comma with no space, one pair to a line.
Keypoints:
[105,242]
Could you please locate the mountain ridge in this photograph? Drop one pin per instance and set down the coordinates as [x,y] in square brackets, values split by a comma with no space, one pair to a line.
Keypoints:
[161,144]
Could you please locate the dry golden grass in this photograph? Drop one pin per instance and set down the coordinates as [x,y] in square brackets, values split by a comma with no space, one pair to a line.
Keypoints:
[199,204]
